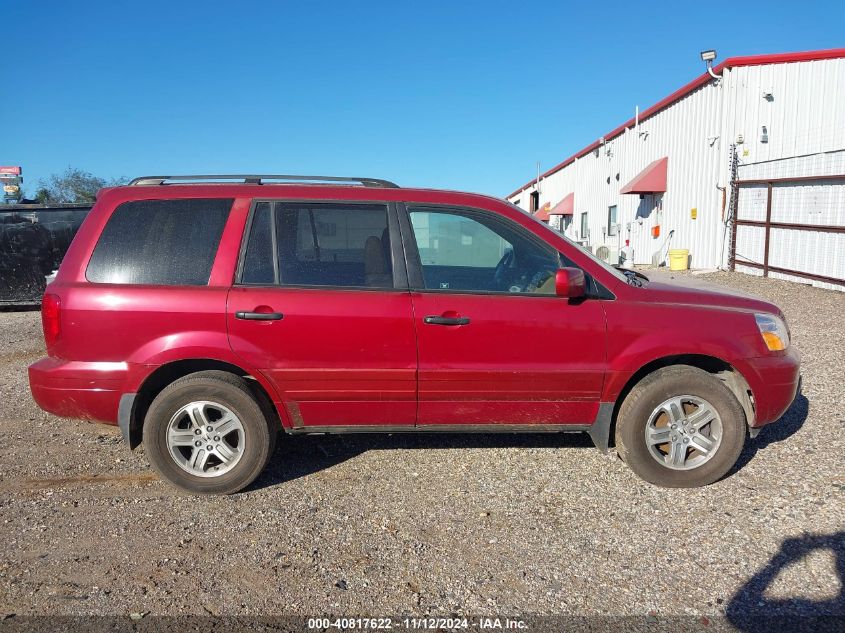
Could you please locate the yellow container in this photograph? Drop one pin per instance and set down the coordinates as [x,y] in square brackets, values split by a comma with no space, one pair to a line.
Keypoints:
[678,259]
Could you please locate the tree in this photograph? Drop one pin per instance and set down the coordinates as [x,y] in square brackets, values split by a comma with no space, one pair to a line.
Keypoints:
[73,185]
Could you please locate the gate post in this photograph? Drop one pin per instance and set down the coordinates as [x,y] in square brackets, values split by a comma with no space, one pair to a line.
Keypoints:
[768,230]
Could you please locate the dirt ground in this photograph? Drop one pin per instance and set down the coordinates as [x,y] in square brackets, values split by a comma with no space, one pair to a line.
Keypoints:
[430,525]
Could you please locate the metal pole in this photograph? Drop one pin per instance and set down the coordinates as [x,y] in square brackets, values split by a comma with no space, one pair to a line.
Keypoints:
[768,231]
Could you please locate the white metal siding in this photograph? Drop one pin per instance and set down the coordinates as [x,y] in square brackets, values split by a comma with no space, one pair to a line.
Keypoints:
[806,114]
[805,121]
[679,132]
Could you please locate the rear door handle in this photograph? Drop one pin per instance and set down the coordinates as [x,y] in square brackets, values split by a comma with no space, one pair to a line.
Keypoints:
[441,320]
[259,316]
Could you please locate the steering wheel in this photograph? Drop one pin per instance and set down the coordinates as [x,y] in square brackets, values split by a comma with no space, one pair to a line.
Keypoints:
[504,263]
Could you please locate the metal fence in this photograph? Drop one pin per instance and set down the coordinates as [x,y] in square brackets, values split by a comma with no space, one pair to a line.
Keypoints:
[791,227]
[33,240]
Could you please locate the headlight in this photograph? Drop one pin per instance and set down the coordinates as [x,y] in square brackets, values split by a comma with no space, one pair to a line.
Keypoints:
[773,330]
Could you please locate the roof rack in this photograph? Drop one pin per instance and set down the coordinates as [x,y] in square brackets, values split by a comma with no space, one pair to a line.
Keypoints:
[261,179]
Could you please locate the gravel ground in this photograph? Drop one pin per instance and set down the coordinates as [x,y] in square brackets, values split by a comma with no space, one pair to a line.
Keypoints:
[383,525]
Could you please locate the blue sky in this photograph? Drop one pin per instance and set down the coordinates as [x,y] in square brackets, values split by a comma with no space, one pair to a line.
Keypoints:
[440,94]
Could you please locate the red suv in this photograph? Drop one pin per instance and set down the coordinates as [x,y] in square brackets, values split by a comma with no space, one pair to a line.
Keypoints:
[202,315]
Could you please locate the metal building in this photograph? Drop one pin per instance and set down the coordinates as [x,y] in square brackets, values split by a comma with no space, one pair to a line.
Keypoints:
[744,166]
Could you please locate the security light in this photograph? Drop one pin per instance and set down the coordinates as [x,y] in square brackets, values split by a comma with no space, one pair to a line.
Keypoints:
[707,57]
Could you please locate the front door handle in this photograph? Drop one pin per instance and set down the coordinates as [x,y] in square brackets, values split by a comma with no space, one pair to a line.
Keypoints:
[443,320]
[259,316]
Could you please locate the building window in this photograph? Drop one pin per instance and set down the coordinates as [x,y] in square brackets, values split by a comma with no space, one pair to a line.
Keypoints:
[535,201]
[612,225]
[584,229]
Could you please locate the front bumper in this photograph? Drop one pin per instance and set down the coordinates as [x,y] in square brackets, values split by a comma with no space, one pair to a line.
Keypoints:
[774,382]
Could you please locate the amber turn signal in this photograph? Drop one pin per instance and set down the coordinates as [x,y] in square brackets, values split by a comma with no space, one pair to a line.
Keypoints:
[773,330]
[773,342]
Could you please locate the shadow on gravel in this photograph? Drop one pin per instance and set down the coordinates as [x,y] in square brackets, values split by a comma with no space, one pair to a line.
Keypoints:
[784,428]
[752,612]
[300,455]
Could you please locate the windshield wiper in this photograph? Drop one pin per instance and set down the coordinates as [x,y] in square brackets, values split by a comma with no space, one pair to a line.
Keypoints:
[633,277]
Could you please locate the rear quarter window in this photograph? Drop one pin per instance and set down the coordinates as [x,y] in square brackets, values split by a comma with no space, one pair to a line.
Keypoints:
[162,242]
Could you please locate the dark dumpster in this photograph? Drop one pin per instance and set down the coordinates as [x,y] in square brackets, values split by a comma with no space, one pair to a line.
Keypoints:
[33,240]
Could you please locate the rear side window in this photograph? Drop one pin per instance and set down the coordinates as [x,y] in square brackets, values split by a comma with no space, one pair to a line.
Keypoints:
[258,259]
[163,242]
[334,245]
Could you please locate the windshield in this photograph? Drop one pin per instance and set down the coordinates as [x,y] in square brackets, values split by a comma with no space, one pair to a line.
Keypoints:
[613,271]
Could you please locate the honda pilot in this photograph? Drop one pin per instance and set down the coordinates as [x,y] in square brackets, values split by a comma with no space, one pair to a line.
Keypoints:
[204,315]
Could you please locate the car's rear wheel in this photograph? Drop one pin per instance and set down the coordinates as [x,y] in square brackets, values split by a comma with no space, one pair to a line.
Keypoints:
[207,434]
[680,427]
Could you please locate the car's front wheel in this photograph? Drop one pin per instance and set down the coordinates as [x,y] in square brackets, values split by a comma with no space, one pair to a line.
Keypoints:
[680,427]
[206,433]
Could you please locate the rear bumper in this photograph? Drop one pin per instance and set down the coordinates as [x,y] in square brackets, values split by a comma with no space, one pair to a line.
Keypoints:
[774,381]
[76,389]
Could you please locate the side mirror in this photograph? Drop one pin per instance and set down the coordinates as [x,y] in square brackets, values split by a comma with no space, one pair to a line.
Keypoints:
[569,282]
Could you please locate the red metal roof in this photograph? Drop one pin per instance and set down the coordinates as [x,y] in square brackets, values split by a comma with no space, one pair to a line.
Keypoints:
[652,179]
[731,62]
[565,206]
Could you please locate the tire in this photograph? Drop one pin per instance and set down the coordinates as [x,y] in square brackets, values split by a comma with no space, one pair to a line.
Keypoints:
[216,398]
[684,396]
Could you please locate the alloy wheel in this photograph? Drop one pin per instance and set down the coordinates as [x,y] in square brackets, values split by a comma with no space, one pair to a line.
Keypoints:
[205,438]
[683,432]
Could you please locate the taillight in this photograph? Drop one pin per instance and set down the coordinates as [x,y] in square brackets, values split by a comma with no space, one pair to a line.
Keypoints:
[51,318]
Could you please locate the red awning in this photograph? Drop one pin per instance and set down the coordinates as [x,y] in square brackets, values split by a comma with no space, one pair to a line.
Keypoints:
[652,179]
[542,213]
[565,206]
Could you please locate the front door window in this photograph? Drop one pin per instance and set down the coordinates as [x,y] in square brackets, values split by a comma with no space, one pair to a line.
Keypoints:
[468,252]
